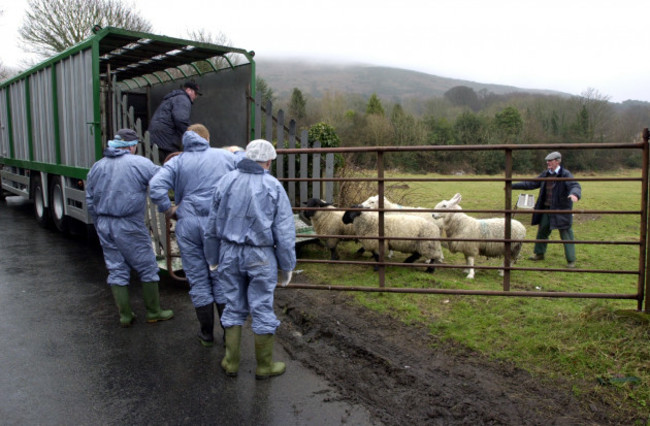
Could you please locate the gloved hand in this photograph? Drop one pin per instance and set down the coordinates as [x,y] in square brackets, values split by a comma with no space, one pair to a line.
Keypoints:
[170,213]
[285,277]
[214,267]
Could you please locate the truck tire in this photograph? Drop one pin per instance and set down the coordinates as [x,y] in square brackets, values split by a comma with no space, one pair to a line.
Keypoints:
[41,213]
[57,205]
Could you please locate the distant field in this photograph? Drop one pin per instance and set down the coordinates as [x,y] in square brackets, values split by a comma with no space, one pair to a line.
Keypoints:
[600,346]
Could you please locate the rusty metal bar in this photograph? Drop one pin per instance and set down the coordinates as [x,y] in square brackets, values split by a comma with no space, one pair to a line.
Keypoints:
[496,240]
[448,266]
[495,147]
[531,211]
[457,179]
[466,292]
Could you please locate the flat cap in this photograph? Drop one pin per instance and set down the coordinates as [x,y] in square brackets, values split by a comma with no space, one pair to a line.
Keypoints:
[553,156]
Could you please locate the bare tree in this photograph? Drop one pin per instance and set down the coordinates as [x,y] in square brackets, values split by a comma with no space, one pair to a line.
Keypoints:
[205,36]
[51,26]
[220,39]
[4,72]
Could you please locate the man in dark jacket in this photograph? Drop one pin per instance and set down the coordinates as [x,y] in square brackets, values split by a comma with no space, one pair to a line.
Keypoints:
[554,195]
[171,119]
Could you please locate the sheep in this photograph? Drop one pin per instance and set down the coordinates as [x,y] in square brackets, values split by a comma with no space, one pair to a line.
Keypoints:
[326,222]
[459,225]
[366,224]
[373,203]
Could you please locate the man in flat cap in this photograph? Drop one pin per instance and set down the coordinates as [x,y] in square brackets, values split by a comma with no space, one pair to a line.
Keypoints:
[171,119]
[554,195]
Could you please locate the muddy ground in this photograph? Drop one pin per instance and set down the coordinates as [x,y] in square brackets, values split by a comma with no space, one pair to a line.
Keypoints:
[405,376]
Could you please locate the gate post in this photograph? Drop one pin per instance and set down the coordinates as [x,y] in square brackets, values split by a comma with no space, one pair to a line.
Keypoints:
[643,271]
[380,223]
[508,222]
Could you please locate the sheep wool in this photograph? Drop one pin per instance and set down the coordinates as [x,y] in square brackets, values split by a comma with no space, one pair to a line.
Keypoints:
[328,222]
[395,225]
[373,203]
[459,225]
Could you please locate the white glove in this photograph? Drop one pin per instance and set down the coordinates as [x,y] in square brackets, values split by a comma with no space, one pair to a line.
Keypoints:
[285,277]
[214,267]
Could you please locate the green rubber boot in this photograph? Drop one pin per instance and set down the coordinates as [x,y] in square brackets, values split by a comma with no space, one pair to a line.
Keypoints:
[152,303]
[230,362]
[121,296]
[266,367]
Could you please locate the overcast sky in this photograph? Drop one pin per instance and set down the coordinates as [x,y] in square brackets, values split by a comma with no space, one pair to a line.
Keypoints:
[564,45]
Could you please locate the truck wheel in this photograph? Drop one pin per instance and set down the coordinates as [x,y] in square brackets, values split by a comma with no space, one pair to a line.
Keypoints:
[41,212]
[57,204]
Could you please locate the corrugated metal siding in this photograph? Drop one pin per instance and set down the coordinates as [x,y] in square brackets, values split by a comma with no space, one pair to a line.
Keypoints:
[75,87]
[19,120]
[42,108]
[4,125]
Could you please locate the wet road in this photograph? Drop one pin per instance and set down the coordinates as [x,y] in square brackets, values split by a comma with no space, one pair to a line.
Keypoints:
[65,360]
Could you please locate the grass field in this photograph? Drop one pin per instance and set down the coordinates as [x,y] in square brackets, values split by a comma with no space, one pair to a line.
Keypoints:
[600,347]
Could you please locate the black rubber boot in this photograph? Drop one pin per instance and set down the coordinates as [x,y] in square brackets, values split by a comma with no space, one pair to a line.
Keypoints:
[205,315]
[220,308]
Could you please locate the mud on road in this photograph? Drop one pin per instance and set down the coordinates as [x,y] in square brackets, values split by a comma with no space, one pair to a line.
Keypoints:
[405,376]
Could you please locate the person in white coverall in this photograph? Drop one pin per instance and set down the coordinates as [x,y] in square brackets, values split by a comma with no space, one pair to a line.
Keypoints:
[249,239]
[193,175]
[116,195]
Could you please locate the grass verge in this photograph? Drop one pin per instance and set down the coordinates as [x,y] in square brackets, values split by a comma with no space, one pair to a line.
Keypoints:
[598,347]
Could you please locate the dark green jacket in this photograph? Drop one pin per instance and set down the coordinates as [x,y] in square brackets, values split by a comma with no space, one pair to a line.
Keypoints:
[560,201]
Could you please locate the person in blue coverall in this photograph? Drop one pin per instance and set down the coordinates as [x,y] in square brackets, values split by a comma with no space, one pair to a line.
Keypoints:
[116,194]
[249,239]
[193,175]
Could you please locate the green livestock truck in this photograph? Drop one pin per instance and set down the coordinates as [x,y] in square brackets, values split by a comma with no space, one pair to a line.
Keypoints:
[56,117]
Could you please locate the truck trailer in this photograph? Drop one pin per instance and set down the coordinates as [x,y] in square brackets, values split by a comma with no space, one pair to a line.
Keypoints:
[56,117]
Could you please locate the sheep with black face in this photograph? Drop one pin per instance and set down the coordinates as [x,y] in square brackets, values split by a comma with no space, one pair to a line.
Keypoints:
[328,222]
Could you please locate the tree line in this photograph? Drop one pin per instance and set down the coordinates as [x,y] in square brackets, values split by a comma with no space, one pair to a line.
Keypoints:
[464,117]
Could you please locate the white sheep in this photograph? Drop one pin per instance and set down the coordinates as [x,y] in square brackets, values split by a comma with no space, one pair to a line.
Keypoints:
[328,222]
[373,203]
[367,224]
[459,225]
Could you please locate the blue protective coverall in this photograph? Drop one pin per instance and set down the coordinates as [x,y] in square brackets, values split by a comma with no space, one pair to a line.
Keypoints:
[250,235]
[116,195]
[193,176]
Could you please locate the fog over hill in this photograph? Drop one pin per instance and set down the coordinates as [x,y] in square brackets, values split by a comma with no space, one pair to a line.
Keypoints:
[390,84]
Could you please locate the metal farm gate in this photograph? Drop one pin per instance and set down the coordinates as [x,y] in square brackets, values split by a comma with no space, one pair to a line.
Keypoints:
[318,178]
[304,179]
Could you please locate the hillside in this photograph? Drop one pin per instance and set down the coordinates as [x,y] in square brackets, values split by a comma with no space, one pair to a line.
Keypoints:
[394,84]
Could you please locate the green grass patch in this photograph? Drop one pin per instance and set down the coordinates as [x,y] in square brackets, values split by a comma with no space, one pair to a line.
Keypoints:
[600,346]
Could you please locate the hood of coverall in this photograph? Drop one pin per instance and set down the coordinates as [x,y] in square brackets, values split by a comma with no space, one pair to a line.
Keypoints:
[193,142]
